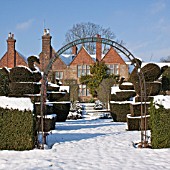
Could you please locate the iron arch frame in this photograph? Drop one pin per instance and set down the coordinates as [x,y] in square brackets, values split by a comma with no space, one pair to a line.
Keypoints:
[113,44]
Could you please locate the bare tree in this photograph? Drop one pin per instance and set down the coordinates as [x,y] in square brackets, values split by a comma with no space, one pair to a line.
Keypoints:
[165,60]
[83,30]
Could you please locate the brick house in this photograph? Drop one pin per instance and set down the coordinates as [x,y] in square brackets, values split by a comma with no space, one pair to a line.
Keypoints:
[72,66]
[12,57]
[68,67]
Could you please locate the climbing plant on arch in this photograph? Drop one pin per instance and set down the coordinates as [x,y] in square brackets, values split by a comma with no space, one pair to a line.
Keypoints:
[112,43]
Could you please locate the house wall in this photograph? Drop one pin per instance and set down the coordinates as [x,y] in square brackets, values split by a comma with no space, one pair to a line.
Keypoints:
[11,58]
[112,57]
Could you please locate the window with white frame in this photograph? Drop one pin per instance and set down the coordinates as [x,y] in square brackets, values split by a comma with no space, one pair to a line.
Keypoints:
[83,70]
[83,90]
[59,75]
[113,69]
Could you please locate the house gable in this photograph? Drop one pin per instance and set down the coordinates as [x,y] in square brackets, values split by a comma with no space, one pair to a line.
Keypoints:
[7,61]
[82,58]
[20,60]
[113,57]
[59,64]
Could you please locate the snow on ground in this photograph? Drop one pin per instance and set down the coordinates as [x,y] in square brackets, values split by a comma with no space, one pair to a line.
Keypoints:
[88,144]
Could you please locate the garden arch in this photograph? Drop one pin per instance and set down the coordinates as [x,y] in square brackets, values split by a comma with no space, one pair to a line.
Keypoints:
[112,43]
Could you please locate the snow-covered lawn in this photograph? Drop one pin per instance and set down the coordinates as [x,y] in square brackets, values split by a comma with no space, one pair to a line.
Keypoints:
[88,144]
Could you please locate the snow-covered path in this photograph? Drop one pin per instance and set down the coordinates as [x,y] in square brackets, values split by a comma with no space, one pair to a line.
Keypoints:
[88,145]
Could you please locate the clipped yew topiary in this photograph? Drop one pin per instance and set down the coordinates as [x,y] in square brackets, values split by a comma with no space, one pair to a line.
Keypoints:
[4,81]
[61,109]
[151,72]
[21,88]
[17,129]
[160,127]
[152,88]
[21,74]
[119,111]
[122,95]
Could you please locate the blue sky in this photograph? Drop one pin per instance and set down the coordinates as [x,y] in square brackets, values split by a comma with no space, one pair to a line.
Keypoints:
[144,25]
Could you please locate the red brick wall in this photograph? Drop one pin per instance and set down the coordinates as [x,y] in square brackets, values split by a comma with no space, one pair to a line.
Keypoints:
[4,61]
[82,58]
[112,57]
[8,61]
[11,57]
[11,53]
[20,60]
[47,51]
[98,49]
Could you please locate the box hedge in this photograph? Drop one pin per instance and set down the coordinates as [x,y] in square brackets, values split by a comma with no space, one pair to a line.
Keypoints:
[122,95]
[152,88]
[4,81]
[160,127]
[61,109]
[17,129]
[135,108]
[21,74]
[119,111]
[21,88]
[134,123]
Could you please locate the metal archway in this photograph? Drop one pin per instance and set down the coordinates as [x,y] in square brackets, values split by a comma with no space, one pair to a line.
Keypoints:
[112,43]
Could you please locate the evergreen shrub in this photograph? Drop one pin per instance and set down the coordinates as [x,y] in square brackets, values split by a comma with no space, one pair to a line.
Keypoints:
[21,88]
[119,111]
[134,123]
[122,95]
[48,109]
[61,109]
[21,74]
[17,129]
[160,127]
[4,82]
[126,87]
[48,124]
[37,76]
[152,88]
[135,108]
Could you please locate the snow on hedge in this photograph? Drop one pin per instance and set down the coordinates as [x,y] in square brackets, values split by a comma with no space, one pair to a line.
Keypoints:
[16,103]
[162,100]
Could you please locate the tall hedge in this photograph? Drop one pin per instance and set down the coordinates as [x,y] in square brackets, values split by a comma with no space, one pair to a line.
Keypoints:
[4,82]
[17,130]
[160,127]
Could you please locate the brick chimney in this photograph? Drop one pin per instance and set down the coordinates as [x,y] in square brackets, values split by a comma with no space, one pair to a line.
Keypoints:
[11,52]
[74,50]
[46,49]
[46,43]
[98,49]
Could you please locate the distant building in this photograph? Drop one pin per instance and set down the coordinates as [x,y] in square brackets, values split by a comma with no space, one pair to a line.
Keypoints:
[12,58]
[69,67]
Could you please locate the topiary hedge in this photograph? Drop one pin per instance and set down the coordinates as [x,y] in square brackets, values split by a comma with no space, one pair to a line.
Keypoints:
[17,129]
[61,109]
[134,123]
[152,88]
[58,96]
[119,111]
[135,108]
[21,74]
[21,88]
[48,124]
[160,127]
[122,95]
[151,72]
[4,82]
